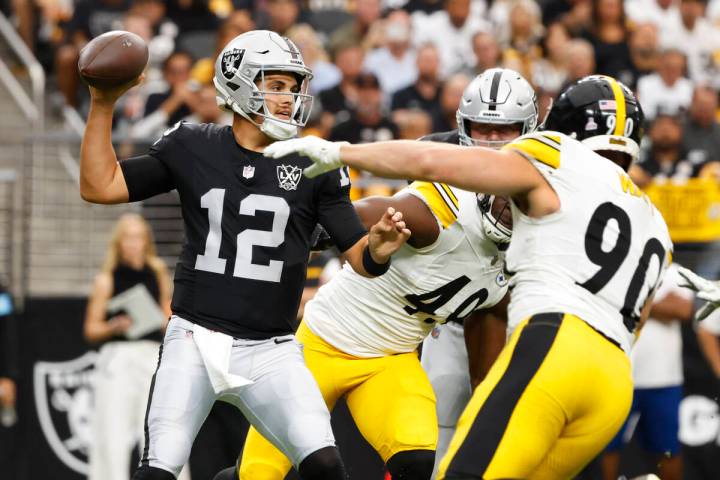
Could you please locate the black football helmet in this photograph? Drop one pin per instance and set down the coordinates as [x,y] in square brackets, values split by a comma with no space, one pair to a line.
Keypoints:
[600,112]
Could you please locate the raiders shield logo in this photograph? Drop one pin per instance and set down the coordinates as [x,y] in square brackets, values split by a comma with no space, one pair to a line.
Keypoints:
[230,62]
[289,176]
[63,399]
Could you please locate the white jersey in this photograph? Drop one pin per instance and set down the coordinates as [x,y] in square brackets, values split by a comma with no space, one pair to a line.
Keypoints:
[460,272]
[600,256]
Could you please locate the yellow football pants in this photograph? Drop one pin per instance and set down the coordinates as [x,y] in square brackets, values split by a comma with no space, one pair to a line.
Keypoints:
[390,399]
[555,397]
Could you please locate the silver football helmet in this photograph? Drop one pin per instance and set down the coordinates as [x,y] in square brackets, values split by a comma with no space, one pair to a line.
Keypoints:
[497,96]
[247,59]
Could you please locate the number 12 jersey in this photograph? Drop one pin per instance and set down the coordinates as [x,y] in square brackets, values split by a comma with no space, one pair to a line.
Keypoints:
[248,226]
[600,256]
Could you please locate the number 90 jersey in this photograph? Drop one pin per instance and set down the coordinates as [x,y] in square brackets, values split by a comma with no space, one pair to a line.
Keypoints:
[600,256]
[460,272]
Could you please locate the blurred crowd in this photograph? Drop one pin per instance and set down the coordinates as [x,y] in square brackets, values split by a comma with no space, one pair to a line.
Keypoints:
[389,69]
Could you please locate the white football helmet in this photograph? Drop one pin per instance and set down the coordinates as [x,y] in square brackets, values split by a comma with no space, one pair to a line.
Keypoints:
[497,96]
[247,59]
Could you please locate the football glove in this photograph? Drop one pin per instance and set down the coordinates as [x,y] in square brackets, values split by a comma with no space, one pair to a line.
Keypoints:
[325,155]
[705,290]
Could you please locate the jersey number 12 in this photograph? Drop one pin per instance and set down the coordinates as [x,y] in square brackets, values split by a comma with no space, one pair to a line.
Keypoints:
[210,261]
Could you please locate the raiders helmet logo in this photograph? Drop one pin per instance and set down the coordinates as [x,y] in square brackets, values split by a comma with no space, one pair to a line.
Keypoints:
[63,399]
[289,176]
[230,62]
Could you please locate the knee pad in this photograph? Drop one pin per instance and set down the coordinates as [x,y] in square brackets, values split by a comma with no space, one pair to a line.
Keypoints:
[323,464]
[412,465]
[146,472]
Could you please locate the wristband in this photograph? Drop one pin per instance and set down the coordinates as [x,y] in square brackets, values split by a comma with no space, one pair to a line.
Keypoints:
[371,266]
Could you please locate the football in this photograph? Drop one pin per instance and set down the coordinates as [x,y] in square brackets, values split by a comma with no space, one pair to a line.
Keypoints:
[113,59]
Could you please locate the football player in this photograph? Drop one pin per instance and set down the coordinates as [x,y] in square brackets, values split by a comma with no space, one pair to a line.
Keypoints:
[587,253]
[248,226]
[360,335]
[496,107]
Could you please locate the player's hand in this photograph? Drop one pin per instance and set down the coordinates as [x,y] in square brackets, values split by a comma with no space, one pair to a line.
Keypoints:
[325,155]
[110,96]
[387,236]
[705,290]
[119,324]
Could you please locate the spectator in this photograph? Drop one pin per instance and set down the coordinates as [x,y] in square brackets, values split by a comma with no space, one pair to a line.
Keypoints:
[280,16]
[125,365]
[8,379]
[325,74]
[205,110]
[367,123]
[413,124]
[90,19]
[522,48]
[354,31]
[644,53]
[580,60]
[698,39]
[658,378]
[487,53]
[575,15]
[549,73]
[192,15]
[666,90]
[664,14]
[664,158]
[451,30]
[702,133]
[450,97]
[164,31]
[237,23]
[343,97]
[609,37]
[394,63]
[425,92]
[172,104]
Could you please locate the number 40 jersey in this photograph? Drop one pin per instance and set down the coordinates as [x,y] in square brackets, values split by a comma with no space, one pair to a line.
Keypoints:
[460,272]
[600,256]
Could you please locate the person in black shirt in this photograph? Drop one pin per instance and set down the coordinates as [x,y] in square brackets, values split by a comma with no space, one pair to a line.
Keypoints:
[125,364]
[239,279]
[425,92]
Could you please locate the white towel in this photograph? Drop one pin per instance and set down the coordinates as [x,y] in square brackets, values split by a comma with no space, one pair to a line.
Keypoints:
[215,349]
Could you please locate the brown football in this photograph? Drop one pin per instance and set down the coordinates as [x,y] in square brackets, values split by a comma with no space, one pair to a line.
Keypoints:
[112,59]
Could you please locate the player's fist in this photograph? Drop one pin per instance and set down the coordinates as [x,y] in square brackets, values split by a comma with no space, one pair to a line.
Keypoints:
[387,236]
[325,155]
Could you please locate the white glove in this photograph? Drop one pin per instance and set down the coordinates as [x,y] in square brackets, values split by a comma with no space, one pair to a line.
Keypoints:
[325,155]
[706,290]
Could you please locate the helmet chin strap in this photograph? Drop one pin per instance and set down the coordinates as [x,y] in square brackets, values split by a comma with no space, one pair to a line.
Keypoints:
[278,130]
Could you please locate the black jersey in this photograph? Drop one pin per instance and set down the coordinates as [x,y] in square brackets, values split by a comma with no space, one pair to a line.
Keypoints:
[125,278]
[248,226]
[451,136]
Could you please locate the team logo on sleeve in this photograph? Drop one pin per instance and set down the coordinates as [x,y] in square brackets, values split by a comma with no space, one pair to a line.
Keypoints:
[230,62]
[289,176]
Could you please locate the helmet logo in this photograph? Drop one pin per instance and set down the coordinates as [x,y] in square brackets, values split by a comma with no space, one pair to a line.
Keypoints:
[230,62]
[591,125]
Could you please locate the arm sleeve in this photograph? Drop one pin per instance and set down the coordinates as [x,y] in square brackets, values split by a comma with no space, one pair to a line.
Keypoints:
[335,211]
[151,174]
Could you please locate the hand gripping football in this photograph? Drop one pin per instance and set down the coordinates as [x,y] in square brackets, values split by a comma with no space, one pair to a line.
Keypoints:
[113,59]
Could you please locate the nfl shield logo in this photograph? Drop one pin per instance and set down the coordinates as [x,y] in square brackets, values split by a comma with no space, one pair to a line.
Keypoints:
[289,176]
[248,171]
[64,398]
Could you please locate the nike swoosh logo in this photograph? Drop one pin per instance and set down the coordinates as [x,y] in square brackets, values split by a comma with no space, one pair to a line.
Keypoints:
[278,341]
[263,52]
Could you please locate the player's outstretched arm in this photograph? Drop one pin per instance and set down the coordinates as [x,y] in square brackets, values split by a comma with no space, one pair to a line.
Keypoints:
[417,216]
[101,179]
[370,256]
[471,168]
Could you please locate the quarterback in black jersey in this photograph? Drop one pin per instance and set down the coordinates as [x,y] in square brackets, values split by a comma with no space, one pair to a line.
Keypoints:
[248,227]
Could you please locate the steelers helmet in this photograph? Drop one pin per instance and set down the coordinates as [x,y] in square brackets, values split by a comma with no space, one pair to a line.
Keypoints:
[600,112]
[497,96]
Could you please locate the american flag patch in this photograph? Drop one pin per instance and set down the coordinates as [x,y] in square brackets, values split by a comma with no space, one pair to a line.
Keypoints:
[607,105]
